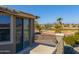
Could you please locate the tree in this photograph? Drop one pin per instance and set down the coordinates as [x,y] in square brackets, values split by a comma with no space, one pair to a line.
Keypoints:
[58,25]
[48,26]
[59,20]
[37,26]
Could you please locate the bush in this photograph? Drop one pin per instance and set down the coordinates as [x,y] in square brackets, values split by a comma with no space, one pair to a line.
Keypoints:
[69,40]
[77,37]
[72,40]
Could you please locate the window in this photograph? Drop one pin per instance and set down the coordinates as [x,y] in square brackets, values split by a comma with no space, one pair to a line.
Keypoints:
[4,28]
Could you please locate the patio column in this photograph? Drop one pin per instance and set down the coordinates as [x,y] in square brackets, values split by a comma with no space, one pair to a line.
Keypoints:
[31,31]
[13,33]
[60,45]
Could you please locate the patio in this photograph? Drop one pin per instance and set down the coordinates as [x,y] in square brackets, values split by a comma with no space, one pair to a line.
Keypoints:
[44,44]
[43,49]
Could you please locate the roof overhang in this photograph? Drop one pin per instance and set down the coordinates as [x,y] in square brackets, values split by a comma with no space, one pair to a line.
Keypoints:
[19,13]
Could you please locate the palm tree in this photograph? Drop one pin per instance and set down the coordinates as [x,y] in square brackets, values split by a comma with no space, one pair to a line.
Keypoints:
[58,25]
[59,20]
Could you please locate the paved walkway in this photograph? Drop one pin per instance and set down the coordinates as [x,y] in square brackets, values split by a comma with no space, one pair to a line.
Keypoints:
[43,49]
[77,48]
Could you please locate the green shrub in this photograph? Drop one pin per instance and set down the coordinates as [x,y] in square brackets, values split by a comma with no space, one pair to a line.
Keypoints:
[69,40]
[77,37]
[72,40]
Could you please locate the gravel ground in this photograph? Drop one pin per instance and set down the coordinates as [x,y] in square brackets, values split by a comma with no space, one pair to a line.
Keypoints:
[46,39]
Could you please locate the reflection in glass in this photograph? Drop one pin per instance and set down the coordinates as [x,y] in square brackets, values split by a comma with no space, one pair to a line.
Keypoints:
[19,34]
[4,28]
[22,33]
[26,33]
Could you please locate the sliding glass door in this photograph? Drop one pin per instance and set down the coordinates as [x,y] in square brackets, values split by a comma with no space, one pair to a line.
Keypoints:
[26,33]
[22,33]
[19,34]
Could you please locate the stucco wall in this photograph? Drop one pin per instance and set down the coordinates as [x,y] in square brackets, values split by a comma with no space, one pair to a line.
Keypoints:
[8,48]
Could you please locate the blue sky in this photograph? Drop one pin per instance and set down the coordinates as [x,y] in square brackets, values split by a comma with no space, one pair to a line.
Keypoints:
[49,13]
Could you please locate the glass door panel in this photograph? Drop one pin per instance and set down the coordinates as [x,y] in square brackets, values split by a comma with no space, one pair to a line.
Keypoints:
[19,34]
[26,33]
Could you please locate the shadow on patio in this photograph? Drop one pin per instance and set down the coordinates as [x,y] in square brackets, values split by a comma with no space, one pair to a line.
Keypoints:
[69,50]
